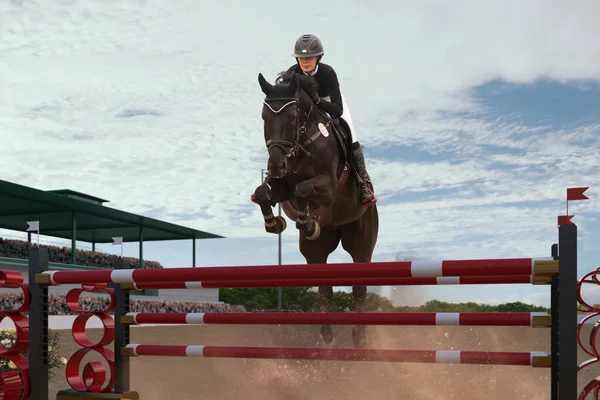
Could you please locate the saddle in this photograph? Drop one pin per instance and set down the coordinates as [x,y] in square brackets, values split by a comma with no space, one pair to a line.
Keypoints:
[341,132]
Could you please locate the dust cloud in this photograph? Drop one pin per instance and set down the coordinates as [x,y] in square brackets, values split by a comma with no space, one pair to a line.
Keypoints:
[162,378]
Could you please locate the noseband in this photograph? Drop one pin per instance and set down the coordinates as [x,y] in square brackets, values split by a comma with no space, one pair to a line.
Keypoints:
[291,149]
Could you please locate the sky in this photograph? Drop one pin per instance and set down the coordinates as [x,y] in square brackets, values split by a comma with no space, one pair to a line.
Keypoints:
[475,116]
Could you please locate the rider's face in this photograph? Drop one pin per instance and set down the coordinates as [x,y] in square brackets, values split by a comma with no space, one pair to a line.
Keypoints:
[308,64]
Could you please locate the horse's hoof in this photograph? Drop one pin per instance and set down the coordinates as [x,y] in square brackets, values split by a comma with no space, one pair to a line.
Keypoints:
[277,225]
[302,223]
[316,233]
[281,224]
[359,337]
[360,342]
[253,199]
[327,344]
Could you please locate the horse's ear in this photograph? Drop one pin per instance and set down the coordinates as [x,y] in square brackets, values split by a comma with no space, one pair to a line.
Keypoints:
[265,86]
[294,84]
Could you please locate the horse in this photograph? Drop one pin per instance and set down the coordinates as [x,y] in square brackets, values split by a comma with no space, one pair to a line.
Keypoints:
[308,174]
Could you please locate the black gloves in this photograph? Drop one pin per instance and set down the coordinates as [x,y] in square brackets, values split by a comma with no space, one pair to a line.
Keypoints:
[312,91]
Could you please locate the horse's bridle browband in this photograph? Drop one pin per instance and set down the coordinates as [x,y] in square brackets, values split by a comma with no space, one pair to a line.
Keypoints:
[300,129]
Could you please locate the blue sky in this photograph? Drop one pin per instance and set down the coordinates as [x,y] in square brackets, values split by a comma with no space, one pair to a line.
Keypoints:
[475,116]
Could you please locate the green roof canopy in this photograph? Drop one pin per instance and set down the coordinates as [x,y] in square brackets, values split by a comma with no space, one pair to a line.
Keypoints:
[63,213]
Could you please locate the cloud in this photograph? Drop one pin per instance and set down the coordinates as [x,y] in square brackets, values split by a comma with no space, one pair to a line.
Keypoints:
[158,109]
[132,113]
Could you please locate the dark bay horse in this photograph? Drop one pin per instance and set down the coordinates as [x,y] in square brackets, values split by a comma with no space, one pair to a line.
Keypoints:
[309,175]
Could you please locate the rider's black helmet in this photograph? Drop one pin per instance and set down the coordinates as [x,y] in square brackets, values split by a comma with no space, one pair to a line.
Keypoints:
[308,46]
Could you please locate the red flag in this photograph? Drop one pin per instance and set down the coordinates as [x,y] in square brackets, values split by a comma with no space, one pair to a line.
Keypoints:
[564,219]
[577,193]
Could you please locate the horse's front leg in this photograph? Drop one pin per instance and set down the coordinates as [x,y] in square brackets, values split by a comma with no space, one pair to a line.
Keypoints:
[266,196]
[312,192]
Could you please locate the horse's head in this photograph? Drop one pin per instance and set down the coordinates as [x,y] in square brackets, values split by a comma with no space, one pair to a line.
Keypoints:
[285,113]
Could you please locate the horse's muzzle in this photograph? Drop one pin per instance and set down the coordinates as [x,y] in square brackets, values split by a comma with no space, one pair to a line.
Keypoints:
[277,167]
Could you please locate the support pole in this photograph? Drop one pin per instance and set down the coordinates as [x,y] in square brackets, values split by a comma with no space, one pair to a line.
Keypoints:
[194,251]
[141,257]
[73,237]
[279,289]
[263,177]
[38,325]
[567,312]
[122,368]
[554,331]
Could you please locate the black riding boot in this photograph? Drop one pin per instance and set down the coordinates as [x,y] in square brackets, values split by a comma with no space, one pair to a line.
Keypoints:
[358,161]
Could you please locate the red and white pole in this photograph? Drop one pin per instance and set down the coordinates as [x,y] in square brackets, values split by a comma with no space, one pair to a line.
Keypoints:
[405,269]
[444,280]
[414,356]
[349,318]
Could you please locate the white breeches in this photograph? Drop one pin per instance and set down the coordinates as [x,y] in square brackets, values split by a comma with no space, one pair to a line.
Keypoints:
[346,117]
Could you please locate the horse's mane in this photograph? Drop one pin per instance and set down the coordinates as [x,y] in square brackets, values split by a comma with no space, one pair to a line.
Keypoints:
[305,81]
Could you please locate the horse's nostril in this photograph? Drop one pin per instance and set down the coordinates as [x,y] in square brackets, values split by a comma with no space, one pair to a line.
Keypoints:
[277,168]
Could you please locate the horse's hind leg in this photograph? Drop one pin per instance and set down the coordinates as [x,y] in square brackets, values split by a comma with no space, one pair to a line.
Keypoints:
[359,332]
[326,300]
[359,239]
[317,252]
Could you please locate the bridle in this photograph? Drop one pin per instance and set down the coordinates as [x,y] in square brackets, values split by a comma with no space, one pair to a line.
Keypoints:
[292,149]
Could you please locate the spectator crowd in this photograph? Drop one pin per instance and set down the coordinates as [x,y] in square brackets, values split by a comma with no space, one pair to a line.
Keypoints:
[57,305]
[20,249]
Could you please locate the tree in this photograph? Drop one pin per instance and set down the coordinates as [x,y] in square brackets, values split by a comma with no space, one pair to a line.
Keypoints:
[293,298]
[375,302]
[341,301]
[307,299]
[519,307]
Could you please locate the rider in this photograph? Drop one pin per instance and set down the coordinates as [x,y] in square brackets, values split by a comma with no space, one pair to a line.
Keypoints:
[308,52]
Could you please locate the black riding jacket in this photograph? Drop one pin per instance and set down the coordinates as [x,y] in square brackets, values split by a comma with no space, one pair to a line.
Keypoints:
[328,86]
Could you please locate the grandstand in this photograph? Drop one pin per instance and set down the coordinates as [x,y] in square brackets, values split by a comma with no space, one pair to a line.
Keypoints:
[67,214]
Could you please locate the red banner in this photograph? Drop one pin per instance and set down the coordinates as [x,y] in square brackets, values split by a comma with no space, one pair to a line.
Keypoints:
[577,193]
[565,219]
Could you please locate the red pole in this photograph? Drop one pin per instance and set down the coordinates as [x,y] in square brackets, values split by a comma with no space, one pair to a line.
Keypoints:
[405,269]
[349,318]
[447,280]
[415,356]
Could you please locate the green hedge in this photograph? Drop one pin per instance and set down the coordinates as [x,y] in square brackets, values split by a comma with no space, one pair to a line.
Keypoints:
[307,300]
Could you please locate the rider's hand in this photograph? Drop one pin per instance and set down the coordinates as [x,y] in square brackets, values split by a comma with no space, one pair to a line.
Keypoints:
[313,92]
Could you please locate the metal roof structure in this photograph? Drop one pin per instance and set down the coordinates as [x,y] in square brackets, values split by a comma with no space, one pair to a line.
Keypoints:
[73,215]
